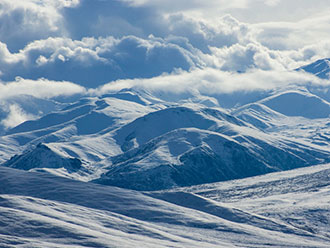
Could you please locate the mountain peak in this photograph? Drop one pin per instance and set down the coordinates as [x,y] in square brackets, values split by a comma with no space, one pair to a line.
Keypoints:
[42,156]
[320,68]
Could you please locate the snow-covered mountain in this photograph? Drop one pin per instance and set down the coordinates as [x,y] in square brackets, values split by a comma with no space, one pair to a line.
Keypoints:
[132,140]
[76,130]
[305,118]
[320,68]
[298,103]
[190,156]
[42,157]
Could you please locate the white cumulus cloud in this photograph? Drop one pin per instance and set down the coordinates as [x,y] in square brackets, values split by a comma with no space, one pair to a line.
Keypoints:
[24,21]
[92,61]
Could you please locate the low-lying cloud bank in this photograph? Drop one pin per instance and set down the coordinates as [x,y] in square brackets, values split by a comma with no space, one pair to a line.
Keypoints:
[204,81]
[42,88]
[213,82]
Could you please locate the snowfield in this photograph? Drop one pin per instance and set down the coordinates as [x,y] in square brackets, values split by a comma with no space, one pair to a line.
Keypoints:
[286,209]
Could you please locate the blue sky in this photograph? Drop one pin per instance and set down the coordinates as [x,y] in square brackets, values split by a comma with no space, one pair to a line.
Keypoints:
[77,45]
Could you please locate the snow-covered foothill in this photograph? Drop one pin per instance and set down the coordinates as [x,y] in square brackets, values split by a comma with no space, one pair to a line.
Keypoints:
[277,210]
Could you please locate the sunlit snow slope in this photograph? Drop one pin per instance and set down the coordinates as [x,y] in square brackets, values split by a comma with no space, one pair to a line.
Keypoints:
[320,68]
[278,210]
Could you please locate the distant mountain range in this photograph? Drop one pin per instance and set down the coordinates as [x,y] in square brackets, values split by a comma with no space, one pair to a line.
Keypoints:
[135,140]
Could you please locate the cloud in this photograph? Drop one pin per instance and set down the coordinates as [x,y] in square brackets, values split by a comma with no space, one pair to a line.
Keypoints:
[202,34]
[244,10]
[238,58]
[15,116]
[226,89]
[24,21]
[253,55]
[95,18]
[24,99]
[294,35]
[272,2]
[186,44]
[42,88]
[213,82]
[91,62]
[181,5]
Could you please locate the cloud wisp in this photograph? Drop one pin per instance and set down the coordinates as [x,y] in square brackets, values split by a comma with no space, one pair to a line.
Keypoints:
[25,99]
[42,88]
[211,81]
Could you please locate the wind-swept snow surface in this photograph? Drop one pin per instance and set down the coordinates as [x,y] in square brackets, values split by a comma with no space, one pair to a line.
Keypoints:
[278,210]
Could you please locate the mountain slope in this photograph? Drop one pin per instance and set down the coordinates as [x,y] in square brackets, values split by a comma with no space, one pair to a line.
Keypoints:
[295,114]
[160,122]
[74,127]
[298,103]
[191,156]
[43,157]
[259,115]
[179,158]
[320,68]
[42,210]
